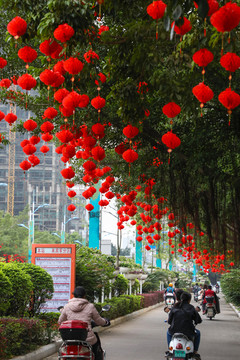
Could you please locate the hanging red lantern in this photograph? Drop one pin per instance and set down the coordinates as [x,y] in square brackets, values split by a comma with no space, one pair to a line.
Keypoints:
[230,99]
[89,165]
[44,149]
[59,80]
[34,160]
[73,66]
[47,126]
[10,118]
[48,77]
[63,33]
[68,173]
[30,125]
[147,247]
[226,18]
[156,237]
[203,93]
[119,149]
[34,140]
[98,102]
[27,54]
[231,63]
[24,142]
[171,216]
[66,112]
[98,129]
[202,58]
[130,131]
[89,207]
[156,10]
[50,113]
[109,195]
[2,115]
[68,151]
[84,101]
[29,149]
[71,101]
[3,63]
[130,155]
[103,203]
[26,82]
[47,137]
[90,56]
[64,136]
[72,193]
[17,27]
[98,153]
[51,48]
[71,207]
[5,83]
[69,184]
[171,110]
[60,95]
[171,141]
[184,28]
[25,165]
[59,67]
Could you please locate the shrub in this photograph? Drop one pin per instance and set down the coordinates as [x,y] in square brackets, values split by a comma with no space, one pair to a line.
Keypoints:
[120,285]
[22,288]
[42,286]
[152,298]
[20,336]
[230,285]
[6,292]
[51,321]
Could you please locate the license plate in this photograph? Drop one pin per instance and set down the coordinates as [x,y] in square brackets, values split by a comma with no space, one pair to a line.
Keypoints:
[179,354]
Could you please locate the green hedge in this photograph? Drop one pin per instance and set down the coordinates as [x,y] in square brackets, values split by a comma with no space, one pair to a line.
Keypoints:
[230,285]
[18,336]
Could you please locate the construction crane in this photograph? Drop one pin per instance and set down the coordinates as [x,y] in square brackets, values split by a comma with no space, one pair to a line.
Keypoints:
[11,166]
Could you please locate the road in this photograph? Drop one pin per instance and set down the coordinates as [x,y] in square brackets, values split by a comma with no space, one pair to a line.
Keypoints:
[145,337]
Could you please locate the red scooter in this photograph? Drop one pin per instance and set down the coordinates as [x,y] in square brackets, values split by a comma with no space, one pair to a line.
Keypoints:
[75,346]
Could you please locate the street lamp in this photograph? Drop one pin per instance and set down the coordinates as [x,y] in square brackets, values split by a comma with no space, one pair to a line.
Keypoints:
[63,229]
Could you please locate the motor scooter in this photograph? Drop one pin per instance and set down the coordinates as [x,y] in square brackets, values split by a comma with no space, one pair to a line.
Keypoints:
[180,348]
[210,307]
[169,300]
[75,346]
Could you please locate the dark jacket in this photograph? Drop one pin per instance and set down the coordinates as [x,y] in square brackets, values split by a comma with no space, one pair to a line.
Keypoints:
[182,319]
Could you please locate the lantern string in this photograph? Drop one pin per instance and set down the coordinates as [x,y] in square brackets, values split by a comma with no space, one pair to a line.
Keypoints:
[157,29]
[222,46]
[205,25]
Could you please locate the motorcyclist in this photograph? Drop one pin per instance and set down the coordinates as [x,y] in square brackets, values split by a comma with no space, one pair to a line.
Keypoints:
[210,292]
[170,289]
[79,308]
[217,288]
[182,318]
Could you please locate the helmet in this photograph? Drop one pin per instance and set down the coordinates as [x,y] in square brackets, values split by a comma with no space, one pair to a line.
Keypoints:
[171,285]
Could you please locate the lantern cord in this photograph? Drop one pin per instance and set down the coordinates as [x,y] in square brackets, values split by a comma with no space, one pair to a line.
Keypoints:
[129,168]
[156,30]
[229,117]
[222,46]
[205,31]
[230,78]
[26,99]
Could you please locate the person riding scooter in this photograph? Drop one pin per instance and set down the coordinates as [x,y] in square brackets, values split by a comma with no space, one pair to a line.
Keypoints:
[210,292]
[182,319]
[78,308]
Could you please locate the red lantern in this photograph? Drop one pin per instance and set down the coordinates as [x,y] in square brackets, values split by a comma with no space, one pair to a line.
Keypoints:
[68,151]
[130,131]
[27,54]
[24,142]
[59,80]
[44,149]
[171,141]
[231,63]
[89,165]
[73,66]
[48,77]
[71,101]
[29,149]
[72,193]
[184,28]
[202,58]
[30,125]
[17,27]
[156,10]
[47,137]
[203,93]
[119,149]
[3,63]
[34,160]
[25,165]
[63,33]
[69,184]
[147,247]
[68,173]
[98,153]
[84,101]
[50,113]
[60,94]
[89,207]
[109,195]
[27,82]
[130,155]
[102,29]
[98,102]
[34,140]
[2,115]
[226,18]
[47,126]
[10,118]
[98,129]
[59,67]
[71,207]
[50,48]
[64,136]
[5,83]
[230,99]
[90,55]
[171,109]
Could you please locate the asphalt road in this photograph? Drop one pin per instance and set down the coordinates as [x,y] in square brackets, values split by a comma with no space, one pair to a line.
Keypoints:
[144,338]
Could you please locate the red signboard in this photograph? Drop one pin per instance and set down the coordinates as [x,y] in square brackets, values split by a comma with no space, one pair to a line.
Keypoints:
[59,262]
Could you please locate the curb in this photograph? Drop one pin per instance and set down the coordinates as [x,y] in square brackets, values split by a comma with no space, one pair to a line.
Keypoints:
[235,309]
[51,349]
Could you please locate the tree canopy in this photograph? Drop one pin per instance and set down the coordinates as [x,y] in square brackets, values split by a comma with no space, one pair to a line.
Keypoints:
[139,65]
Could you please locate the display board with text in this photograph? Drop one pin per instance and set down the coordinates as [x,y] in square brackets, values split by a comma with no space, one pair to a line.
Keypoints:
[59,261]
